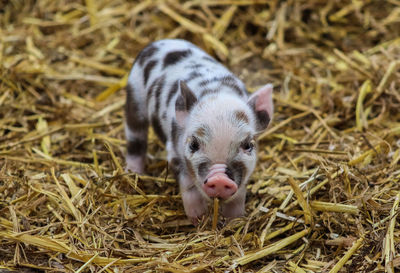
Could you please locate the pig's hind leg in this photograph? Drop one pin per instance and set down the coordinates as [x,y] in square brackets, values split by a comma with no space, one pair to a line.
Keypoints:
[136,129]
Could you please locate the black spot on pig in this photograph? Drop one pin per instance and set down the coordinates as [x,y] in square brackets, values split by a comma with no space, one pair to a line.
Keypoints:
[203,83]
[155,122]
[208,91]
[241,116]
[147,70]
[231,82]
[237,171]
[133,120]
[156,85]
[203,168]
[210,59]
[190,168]
[201,132]
[176,166]
[145,54]
[176,56]
[158,94]
[193,75]
[175,132]
[186,100]
[229,173]
[137,146]
[262,117]
[156,88]
[164,116]
[194,66]
[172,91]
[263,120]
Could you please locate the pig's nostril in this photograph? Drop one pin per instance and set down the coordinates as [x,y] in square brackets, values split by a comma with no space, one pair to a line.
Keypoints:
[205,182]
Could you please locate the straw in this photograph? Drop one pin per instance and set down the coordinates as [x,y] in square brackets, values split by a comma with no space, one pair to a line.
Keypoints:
[324,194]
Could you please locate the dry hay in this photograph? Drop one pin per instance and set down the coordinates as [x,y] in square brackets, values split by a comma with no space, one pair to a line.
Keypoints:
[325,194]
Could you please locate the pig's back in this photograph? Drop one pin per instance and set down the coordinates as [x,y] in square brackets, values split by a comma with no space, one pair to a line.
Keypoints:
[159,67]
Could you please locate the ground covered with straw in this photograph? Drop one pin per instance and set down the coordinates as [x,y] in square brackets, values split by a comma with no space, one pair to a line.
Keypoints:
[325,193]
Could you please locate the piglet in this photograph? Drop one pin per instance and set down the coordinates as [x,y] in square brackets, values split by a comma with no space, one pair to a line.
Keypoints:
[204,115]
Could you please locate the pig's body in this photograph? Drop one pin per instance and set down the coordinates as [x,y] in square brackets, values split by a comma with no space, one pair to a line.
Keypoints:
[203,114]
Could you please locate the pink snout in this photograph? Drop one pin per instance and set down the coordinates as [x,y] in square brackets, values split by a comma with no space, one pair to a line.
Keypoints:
[219,185]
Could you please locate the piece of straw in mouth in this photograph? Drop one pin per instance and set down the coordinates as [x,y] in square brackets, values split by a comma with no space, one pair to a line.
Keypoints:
[215,213]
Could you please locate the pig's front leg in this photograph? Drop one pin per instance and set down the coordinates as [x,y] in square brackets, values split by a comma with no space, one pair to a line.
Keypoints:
[235,208]
[194,203]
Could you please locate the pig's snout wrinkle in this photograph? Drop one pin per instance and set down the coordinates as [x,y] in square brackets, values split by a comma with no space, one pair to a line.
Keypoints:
[215,169]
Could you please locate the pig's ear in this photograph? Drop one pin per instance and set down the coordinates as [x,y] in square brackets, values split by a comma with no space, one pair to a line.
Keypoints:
[184,102]
[261,102]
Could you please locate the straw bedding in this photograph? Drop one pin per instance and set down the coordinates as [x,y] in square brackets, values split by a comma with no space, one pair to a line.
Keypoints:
[325,193]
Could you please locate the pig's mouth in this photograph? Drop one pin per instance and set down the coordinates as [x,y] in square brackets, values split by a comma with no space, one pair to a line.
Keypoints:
[218,183]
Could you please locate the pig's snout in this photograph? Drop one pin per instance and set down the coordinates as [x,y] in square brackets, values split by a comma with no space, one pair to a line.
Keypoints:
[218,184]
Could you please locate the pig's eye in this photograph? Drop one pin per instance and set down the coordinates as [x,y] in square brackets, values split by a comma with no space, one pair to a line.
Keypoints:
[194,145]
[248,146]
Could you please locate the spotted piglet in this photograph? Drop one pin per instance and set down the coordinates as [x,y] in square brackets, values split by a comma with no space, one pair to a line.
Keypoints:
[206,118]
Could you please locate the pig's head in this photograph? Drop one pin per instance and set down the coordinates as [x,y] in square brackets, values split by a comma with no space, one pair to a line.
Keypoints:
[218,141]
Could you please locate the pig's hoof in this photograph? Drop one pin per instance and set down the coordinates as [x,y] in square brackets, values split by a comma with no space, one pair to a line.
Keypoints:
[195,216]
[195,221]
[134,164]
[134,169]
[196,213]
